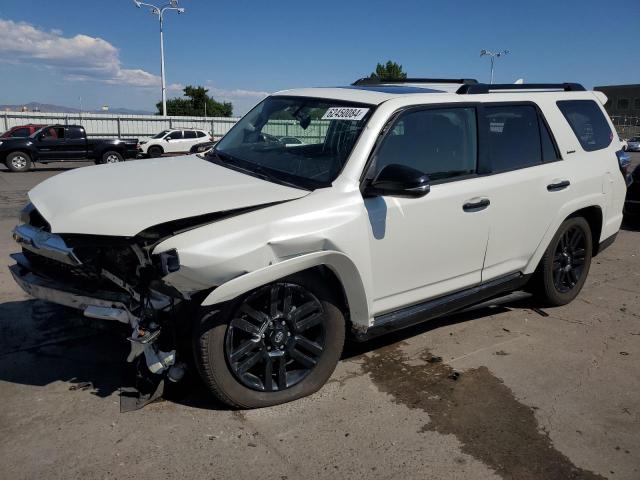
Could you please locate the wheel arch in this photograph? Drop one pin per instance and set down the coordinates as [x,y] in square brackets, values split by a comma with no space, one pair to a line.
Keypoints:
[335,267]
[591,210]
[155,145]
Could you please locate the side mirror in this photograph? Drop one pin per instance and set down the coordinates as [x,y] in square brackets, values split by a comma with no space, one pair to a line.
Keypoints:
[399,181]
[166,139]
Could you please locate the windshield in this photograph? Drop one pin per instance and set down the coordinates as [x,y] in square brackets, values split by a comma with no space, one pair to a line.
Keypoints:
[300,141]
[161,134]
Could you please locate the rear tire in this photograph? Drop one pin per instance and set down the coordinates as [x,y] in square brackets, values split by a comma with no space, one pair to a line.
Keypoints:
[18,162]
[565,265]
[292,356]
[154,151]
[111,157]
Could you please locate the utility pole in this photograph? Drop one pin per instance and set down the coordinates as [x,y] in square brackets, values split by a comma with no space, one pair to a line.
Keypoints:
[493,56]
[159,11]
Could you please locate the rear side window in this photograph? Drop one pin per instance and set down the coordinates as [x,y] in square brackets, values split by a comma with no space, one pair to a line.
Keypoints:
[189,134]
[588,123]
[200,134]
[514,139]
[75,133]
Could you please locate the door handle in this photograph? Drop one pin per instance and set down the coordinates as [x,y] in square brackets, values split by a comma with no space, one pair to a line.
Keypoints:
[556,187]
[475,205]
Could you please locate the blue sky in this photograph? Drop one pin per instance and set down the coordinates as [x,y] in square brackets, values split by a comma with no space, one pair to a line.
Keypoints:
[107,51]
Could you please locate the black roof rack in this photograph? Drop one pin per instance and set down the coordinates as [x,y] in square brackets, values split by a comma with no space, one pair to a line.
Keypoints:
[471,89]
[377,81]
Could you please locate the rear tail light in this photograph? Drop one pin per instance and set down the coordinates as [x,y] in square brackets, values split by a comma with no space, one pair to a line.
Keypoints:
[624,160]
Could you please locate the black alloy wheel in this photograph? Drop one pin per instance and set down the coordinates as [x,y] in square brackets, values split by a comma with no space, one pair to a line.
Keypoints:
[569,259]
[276,337]
[272,345]
[565,264]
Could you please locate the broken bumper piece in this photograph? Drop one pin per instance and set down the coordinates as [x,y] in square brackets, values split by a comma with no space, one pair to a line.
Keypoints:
[100,305]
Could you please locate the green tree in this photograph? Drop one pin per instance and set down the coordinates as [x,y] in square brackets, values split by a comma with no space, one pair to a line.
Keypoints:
[193,105]
[389,72]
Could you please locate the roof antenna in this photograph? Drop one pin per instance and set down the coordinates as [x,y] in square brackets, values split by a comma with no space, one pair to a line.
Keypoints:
[519,81]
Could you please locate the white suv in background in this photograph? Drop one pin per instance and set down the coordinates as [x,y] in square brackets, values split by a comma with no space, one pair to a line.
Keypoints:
[404,202]
[173,141]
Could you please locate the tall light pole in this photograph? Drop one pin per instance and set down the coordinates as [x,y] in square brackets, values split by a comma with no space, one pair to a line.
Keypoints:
[493,56]
[159,11]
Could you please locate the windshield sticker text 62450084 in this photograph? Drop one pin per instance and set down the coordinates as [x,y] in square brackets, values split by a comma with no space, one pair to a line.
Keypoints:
[345,113]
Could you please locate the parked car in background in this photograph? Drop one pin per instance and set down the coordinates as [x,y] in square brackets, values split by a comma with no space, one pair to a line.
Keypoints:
[633,144]
[255,261]
[21,130]
[632,201]
[63,143]
[623,144]
[173,141]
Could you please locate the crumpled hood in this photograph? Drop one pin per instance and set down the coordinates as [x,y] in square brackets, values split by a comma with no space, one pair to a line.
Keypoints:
[122,199]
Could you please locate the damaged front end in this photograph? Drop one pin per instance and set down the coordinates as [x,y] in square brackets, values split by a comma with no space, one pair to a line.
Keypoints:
[108,278]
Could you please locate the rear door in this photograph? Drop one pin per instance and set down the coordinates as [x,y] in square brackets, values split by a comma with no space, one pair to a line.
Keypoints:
[76,143]
[528,183]
[190,139]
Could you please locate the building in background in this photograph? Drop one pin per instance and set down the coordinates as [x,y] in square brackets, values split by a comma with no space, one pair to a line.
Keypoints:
[623,107]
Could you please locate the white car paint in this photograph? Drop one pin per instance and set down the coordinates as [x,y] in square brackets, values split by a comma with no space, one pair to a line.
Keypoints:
[386,252]
[173,145]
[125,201]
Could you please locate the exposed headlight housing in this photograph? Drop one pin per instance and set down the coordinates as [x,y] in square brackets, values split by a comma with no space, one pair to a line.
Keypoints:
[167,262]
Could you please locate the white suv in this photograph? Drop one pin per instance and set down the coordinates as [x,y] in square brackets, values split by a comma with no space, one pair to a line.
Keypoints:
[405,202]
[173,141]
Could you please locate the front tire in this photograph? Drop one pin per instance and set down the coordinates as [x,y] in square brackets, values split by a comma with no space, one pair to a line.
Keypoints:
[18,162]
[275,344]
[565,265]
[154,151]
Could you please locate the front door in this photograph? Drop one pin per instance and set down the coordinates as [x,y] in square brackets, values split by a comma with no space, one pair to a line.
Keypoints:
[426,247]
[51,143]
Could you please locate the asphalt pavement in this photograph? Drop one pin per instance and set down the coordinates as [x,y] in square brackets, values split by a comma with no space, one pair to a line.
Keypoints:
[504,391]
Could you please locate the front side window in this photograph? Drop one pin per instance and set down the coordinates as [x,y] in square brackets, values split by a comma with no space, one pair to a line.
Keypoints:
[439,142]
[328,128]
[161,134]
[176,135]
[53,133]
[588,123]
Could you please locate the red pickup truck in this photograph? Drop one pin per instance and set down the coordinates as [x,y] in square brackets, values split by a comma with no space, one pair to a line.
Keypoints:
[22,130]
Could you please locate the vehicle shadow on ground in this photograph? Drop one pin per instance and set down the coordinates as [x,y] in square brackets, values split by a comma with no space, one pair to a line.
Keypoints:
[42,343]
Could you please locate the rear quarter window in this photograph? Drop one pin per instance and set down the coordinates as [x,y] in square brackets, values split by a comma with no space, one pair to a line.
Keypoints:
[588,123]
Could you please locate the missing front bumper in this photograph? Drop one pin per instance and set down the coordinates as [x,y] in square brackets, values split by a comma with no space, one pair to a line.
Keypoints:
[99,304]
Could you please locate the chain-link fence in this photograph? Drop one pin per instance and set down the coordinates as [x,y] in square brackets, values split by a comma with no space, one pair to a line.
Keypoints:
[626,126]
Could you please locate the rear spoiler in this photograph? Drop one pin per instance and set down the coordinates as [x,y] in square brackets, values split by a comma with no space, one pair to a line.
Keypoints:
[602,98]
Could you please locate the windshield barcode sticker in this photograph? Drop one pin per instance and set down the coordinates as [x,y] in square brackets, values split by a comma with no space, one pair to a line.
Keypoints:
[345,113]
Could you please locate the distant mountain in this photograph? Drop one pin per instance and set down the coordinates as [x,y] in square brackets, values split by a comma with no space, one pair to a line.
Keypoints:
[48,108]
